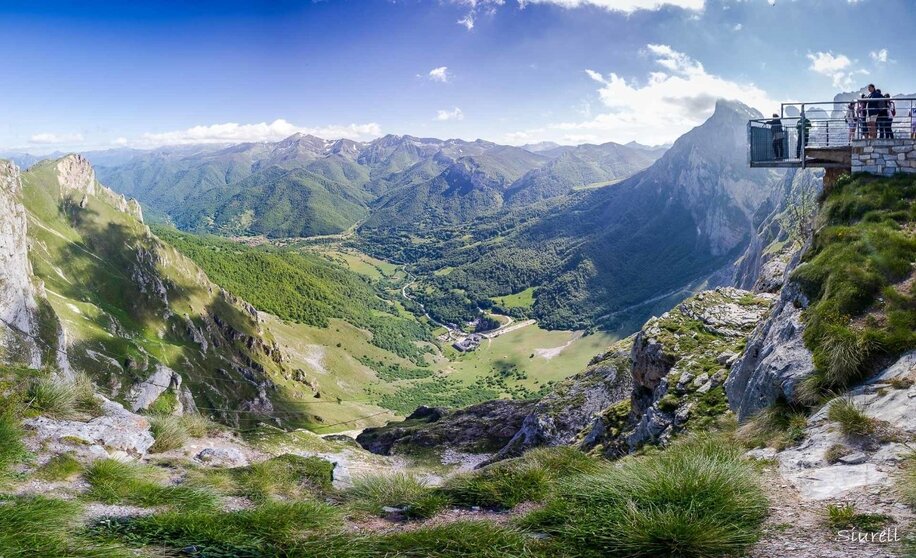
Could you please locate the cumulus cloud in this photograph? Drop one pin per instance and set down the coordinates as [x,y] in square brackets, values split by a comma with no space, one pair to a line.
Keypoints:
[838,67]
[676,95]
[454,114]
[879,56]
[439,74]
[232,132]
[48,138]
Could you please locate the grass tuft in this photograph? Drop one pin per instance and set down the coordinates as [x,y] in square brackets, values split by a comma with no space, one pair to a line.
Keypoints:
[779,426]
[844,516]
[698,498]
[11,448]
[52,397]
[43,527]
[168,432]
[852,420]
[115,482]
[260,531]
[374,492]
[62,466]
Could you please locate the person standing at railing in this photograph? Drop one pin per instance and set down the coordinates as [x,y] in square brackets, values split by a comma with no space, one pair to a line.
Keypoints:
[851,120]
[804,130]
[871,109]
[779,137]
[912,120]
[862,116]
[890,110]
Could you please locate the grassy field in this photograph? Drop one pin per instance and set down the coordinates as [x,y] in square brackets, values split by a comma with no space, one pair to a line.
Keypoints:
[523,299]
[541,355]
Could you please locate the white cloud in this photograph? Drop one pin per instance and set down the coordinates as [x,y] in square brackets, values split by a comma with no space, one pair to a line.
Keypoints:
[625,6]
[454,114]
[56,139]
[879,56]
[439,74]
[232,132]
[737,27]
[121,141]
[836,66]
[488,7]
[674,97]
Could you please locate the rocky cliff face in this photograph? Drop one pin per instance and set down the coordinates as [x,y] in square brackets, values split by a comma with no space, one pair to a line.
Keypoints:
[143,321]
[18,307]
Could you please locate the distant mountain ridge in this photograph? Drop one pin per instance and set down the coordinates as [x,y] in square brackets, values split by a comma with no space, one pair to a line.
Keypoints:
[304,185]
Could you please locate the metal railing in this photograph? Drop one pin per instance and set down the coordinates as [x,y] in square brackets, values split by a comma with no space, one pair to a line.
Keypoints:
[804,129]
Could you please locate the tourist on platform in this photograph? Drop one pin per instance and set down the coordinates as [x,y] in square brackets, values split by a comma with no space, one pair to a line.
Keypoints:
[779,137]
[891,112]
[852,120]
[871,110]
[804,131]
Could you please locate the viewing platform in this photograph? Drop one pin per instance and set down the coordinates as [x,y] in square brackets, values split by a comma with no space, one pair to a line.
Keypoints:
[837,137]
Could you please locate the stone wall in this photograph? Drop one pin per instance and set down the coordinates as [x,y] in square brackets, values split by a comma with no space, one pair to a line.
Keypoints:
[884,157]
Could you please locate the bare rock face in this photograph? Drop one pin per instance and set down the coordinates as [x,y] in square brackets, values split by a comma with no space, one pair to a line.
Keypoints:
[76,175]
[775,359]
[18,308]
[117,432]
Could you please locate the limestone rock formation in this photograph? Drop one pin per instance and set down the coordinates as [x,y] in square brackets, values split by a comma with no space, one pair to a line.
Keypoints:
[18,307]
[775,359]
[118,432]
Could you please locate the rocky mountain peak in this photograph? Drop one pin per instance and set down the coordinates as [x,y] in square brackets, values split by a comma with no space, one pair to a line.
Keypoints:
[75,174]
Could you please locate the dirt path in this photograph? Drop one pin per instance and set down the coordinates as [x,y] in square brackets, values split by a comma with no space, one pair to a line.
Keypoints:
[797,528]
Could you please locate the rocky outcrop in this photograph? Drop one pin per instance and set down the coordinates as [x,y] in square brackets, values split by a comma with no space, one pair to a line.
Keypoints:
[509,428]
[775,359]
[18,307]
[481,428]
[560,417]
[76,175]
[163,379]
[888,398]
[680,362]
[117,433]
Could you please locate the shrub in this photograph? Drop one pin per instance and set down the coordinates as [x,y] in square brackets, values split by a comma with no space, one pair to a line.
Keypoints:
[114,482]
[698,498]
[168,433]
[52,397]
[852,420]
[60,467]
[374,492]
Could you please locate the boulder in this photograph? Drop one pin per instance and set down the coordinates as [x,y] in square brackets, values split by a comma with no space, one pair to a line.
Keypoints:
[222,457]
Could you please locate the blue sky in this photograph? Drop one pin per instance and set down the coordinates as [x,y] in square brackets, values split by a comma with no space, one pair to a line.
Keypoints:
[80,75]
